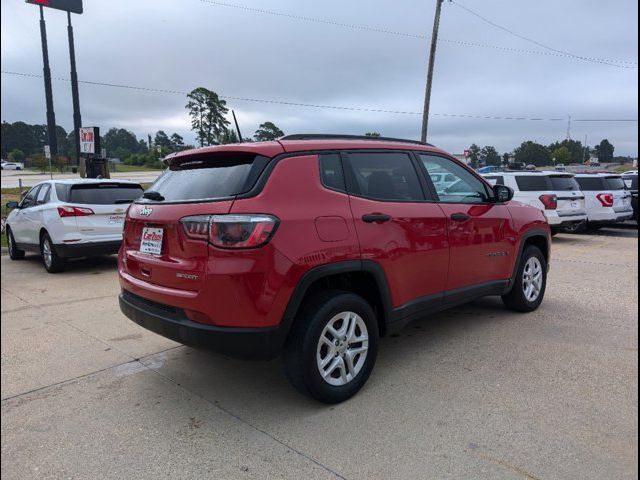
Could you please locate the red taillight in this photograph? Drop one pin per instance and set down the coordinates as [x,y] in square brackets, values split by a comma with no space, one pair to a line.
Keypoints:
[74,211]
[550,202]
[197,226]
[231,231]
[606,199]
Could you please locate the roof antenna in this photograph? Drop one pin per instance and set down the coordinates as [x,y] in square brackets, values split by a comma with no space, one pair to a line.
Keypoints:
[235,120]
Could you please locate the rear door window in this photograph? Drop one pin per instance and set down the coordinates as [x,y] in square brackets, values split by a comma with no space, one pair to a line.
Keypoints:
[384,176]
[99,193]
[214,176]
[533,183]
[331,172]
[614,183]
[564,183]
[591,184]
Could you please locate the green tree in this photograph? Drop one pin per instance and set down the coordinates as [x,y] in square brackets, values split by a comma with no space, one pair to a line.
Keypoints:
[474,155]
[575,148]
[163,140]
[120,143]
[16,155]
[228,136]
[532,153]
[39,161]
[505,159]
[207,113]
[561,155]
[490,156]
[604,151]
[372,134]
[177,142]
[267,131]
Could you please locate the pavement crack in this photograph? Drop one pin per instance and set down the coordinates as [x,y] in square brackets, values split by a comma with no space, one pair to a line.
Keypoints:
[53,304]
[87,375]
[507,465]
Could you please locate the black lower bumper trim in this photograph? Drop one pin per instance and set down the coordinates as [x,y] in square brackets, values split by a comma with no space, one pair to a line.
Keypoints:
[71,250]
[170,322]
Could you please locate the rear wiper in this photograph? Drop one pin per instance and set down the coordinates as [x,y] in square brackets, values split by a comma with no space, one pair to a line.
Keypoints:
[122,201]
[153,195]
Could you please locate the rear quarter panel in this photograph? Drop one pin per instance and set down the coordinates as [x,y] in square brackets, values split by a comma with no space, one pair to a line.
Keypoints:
[316,228]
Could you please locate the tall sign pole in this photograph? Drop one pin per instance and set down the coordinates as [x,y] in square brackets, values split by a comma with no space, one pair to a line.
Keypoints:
[432,58]
[77,120]
[48,92]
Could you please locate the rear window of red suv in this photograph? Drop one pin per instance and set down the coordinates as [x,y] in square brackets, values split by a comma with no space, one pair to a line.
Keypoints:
[206,177]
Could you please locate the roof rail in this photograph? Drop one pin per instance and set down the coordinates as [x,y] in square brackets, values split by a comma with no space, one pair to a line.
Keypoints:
[337,136]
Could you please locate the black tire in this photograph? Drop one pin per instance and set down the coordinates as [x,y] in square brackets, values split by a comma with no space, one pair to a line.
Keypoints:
[14,252]
[302,346]
[516,299]
[52,262]
[593,227]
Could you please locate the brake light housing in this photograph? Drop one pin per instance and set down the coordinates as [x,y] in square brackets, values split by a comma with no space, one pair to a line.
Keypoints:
[606,199]
[550,201]
[72,211]
[233,231]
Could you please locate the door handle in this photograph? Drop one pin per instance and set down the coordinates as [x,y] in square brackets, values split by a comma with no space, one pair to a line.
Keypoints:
[460,217]
[376,218]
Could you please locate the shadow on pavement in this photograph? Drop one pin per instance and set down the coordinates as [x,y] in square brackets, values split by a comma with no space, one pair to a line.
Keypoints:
[79,265]
[243,386]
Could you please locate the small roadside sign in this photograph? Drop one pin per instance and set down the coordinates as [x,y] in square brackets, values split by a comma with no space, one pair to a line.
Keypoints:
[47,152]
[87,140]
[103,153]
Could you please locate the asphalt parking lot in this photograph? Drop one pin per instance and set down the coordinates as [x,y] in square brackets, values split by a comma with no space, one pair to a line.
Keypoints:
[476,392]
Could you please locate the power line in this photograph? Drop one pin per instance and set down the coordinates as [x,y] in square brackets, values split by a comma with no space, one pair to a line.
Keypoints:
[551,51]
[613,63]
[321,106]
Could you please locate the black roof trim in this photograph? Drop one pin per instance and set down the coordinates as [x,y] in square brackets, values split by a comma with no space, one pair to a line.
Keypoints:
[337,136]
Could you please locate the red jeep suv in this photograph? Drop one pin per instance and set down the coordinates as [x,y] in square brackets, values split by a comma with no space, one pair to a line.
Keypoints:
[314,246]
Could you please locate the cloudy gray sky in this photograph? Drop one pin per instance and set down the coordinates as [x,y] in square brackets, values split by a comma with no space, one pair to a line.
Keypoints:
[180,45]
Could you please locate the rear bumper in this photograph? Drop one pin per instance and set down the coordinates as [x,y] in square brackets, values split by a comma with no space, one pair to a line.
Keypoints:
[88,249]
[610,217]
[172,323]
[565,221]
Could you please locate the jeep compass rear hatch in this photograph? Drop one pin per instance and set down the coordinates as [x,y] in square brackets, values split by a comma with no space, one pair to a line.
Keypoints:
[166,236]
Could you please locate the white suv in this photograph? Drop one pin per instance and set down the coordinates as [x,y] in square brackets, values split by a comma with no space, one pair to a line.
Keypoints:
[557,194]
[607,198]
[63,219]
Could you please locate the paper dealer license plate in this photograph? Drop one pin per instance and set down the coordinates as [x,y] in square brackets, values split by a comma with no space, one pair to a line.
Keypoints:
[151,241]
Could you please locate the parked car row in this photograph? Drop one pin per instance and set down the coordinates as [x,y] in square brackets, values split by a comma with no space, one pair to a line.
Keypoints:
[573,202]
[61,219]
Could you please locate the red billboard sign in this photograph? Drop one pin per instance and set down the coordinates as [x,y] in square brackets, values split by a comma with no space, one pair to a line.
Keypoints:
[73,6]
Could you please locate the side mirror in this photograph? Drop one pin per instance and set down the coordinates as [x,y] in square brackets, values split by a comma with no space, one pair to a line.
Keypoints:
[12,205]
[502,193]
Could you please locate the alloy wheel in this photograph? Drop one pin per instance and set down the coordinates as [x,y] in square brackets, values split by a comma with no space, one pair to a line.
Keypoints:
[342,348]
[532,279]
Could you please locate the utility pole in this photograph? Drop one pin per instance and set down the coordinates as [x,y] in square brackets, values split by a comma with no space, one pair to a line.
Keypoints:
[77,120]
[432,58]
[48,92]
[569,129]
